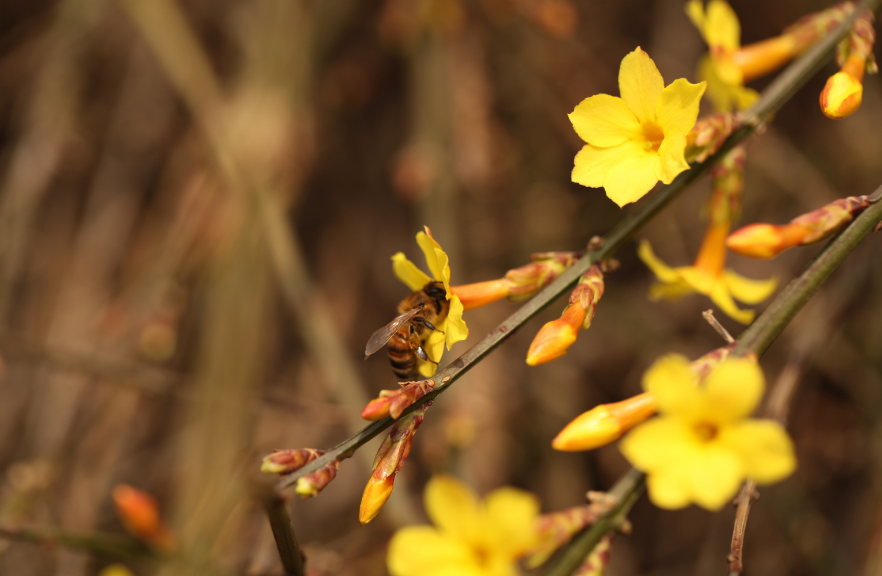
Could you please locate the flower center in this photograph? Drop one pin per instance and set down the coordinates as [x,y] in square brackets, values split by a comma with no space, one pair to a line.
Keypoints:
[706,431]
[653,135]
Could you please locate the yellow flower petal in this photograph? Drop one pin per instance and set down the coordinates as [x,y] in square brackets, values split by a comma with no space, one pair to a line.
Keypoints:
[434,348]
[592,163]
[672,384]
[673,291]
[455,329]
[605,121]
[509,520]
[764,447]
[640,84]
[436,258]
[671,157]
[453,508]
[722,28]
[422,550]
[719,295]
[734,388]
[747,290]
[716,474]
[661,270]
[677,106]
[407,272]
[669,488]
[655,444]
[632,178]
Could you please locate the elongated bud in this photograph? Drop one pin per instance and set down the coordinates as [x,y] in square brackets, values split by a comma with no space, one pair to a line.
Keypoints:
[140,516]
[727,184]
[709,134]
[544,269]
[598,560]
[311,484]
[604,424]
[769,240]
[843,92]
[556,529]
[555,337]
[287,461]
[607,423]
[388,462]
[394,402]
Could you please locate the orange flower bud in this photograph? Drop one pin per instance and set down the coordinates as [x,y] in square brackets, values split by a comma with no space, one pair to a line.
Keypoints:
[375,494]
[388,462]
[287,461]
[604,424]
[481,293]
[555,337]
[311,484]
[768,240]
[394,402]
[140,516]
[765,240]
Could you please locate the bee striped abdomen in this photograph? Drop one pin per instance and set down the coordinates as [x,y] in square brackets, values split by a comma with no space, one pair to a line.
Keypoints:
[402,356]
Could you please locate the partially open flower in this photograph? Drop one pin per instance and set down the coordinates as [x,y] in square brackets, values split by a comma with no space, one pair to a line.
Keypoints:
[638,139]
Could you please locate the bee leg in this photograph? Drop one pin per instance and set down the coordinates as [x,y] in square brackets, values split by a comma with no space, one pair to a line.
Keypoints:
[427,324]
[423,356]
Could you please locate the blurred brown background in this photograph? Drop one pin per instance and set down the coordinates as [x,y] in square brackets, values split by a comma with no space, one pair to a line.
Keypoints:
[198,202]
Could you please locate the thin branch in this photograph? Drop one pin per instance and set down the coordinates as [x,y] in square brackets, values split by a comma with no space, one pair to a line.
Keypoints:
[292,558]
[96,542]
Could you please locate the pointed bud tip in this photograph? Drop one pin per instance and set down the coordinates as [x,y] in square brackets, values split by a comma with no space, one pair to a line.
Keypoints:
[593,429]
[376,493]
[551,342]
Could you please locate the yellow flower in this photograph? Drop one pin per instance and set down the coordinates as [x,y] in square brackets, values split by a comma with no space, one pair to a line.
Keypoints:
[453,327]
[638,139]
[707,276]
[721,31]
[470,538]
[703,447]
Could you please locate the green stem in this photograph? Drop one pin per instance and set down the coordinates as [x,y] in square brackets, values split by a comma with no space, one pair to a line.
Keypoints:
[778,92]
[96,542]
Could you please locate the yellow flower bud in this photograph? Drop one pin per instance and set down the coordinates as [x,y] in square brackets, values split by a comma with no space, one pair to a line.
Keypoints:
[375,494]
[841,96]
[604,424]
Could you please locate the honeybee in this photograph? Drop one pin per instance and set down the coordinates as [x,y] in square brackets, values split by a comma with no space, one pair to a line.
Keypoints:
[407,333]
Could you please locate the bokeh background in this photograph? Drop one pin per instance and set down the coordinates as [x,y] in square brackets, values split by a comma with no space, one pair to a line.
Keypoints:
[198,202]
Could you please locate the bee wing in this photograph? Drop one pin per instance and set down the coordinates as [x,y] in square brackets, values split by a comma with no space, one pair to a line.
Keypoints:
[379,338]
